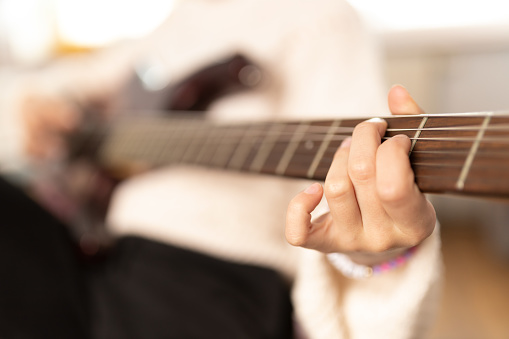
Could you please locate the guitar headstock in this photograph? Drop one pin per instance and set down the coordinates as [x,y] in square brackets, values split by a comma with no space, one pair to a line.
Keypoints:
[198,91]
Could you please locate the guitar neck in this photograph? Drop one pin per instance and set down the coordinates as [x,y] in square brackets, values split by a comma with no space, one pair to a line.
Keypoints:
[457,153]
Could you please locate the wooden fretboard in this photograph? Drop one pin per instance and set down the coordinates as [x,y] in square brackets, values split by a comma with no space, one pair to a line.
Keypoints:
[457,153]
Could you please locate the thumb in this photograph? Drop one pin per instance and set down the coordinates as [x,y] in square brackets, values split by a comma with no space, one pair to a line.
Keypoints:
[401,102]
[298,216]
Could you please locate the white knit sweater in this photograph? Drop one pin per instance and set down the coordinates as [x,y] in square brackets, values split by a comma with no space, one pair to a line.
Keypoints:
[241,218]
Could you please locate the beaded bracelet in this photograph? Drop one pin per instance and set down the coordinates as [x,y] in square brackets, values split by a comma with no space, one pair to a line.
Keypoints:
[348,268]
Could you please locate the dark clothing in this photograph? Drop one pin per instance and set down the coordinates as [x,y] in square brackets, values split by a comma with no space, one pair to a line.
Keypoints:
[141,289]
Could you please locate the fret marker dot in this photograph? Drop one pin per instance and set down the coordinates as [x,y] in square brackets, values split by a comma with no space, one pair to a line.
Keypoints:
[309,145]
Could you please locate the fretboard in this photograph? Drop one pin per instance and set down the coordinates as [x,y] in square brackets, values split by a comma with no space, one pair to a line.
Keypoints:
[456,153]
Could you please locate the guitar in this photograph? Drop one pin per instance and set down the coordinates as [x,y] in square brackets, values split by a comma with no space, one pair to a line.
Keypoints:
[456,153]
[464,154]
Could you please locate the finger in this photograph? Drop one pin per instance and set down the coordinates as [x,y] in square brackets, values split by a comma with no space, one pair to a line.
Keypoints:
[362,167]
[401,102]
[398,193]
[298,216]
[340,193]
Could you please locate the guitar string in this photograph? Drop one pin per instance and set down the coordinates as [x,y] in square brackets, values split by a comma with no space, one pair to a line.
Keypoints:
[324,130]
[225,140]
[262,128]
[477,173]
[286,136]
[305,160]
[313,128]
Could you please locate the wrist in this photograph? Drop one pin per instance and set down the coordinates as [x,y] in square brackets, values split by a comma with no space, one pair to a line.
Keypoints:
[355,270]
[372,259]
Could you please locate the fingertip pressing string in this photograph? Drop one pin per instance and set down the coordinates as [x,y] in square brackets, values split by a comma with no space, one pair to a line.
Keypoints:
[350,269]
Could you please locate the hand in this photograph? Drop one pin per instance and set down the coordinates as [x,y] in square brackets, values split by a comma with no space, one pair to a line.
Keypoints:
[376,209]
[47,119]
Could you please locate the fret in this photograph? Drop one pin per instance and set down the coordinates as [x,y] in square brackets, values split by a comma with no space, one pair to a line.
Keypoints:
[437,144]
[174,134]
[193,142]
[161,134]
[266,148]
[460,184]
[145,145]
[344,130]
[417,134]
[258,135]
[136,143]
[115,149]
[242,151]
[280,145]
[323,147]
[226,146]
[133,136]
[158,142]
[222,146]
[185,130]
[208,147]
[291,148]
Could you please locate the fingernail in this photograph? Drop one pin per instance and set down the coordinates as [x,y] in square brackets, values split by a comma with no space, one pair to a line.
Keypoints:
[346,143]
[313,189]
[398,85]
[376,120]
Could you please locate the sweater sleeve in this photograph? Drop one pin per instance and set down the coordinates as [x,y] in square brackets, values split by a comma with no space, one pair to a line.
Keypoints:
[396,304]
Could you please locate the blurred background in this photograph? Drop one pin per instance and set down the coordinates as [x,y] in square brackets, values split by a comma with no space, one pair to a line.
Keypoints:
[453,56]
